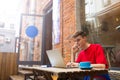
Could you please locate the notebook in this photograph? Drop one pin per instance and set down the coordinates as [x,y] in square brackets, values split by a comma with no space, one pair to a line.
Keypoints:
[55,58]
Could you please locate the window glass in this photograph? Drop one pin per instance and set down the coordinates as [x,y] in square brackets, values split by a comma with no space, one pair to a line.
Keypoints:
[104,27]
[30,45]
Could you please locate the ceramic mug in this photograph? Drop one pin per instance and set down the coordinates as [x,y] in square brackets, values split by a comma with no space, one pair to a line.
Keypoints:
[84,65]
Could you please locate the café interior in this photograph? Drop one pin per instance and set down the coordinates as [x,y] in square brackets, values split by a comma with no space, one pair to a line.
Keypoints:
[49,24]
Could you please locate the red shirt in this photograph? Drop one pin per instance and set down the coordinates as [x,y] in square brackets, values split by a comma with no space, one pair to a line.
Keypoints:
[94,53]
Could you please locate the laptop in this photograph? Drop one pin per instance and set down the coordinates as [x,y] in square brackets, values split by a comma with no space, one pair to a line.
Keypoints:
[55,58]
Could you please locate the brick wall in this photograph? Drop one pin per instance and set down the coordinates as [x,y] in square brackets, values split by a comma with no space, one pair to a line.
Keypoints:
[72,17]
[67,24]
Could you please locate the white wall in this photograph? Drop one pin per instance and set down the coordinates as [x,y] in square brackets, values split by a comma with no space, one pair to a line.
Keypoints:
[8,42]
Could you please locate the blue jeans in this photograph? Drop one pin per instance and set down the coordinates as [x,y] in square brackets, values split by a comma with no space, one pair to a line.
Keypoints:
[106,76]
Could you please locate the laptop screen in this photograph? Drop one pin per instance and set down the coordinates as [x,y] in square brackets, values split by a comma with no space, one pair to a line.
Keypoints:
[55,58]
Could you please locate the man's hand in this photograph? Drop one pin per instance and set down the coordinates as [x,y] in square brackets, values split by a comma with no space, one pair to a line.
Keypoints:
[72,64]
[75,48]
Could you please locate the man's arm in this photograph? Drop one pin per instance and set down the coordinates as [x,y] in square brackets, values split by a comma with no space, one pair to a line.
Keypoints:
[98,65]
[101,61]
[74,64]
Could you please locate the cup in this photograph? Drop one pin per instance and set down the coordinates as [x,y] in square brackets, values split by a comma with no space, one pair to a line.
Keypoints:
[84,65]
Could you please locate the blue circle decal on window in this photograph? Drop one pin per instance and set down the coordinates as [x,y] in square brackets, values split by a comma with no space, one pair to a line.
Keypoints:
[31,31]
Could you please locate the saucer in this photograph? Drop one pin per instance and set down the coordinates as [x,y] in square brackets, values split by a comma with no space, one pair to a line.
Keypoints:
[86,68]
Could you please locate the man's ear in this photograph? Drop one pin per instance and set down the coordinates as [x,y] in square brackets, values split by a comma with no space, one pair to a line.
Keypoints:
[85,38]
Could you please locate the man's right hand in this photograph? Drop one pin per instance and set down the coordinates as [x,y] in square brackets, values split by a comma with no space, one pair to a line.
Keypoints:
[75,48]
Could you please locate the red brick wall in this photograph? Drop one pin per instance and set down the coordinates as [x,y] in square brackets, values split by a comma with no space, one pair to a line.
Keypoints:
[37,41]
[67,24]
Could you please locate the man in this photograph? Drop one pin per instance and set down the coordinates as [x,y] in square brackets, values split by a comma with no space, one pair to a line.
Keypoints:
[89,52]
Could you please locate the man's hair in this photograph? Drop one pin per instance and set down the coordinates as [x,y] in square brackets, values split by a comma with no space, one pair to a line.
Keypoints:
[79,33]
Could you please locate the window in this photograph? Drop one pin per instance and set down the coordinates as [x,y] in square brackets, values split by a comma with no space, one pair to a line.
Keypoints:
[30,47]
